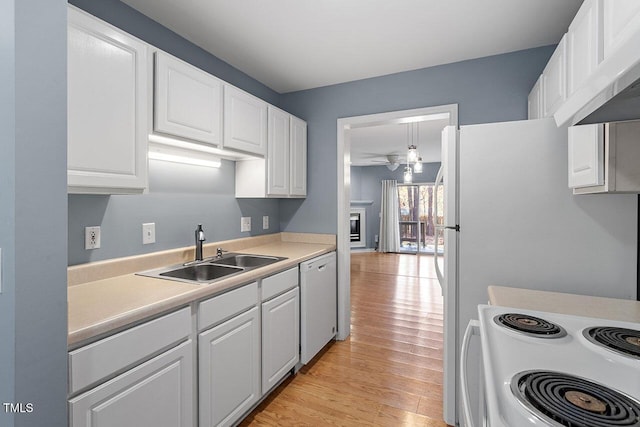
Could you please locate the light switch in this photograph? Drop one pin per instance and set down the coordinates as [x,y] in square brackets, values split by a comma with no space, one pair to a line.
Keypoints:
[148,233]
[265,222]
[245,223]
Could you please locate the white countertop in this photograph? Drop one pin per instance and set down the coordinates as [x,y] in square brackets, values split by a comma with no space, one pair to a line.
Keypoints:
[107,296]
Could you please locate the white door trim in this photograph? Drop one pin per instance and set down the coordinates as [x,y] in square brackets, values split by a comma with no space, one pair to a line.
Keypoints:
[344,190]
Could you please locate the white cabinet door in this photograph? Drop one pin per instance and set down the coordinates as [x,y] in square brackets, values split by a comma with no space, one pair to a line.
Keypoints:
[278,153]
[229,362]
[584,44]
[157,393]
[298,158]
[621,20]
[586,155]
[280,337]
[554,91]
[534,102]
[187,101]
[245,121]
[107,108]
[283,171]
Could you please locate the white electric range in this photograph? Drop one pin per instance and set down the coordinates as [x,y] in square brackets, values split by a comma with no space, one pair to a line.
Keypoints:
[548,369]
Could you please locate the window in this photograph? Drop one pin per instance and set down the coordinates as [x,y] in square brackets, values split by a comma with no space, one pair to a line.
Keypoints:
[417,217]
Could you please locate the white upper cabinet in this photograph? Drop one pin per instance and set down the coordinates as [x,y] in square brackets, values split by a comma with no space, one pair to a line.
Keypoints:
[283,172]
[298,158]
[621,21]
[187,101]
[278,153]
[604,158]
[245,121]
[584,44]
[554,88]
[107,108]
[534,102]
[586,155]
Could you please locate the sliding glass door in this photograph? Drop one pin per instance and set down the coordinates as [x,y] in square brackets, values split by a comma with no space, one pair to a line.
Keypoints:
[417,217]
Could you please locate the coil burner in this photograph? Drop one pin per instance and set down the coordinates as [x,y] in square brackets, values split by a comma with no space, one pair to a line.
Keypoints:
[567,400]
[530,325]
[621,340]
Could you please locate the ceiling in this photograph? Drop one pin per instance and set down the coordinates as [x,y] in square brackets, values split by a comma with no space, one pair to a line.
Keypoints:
[371,145]
[291,45]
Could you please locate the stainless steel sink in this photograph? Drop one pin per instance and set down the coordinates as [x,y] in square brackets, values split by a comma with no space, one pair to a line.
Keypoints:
[211,269]
[202,272]
[246,261]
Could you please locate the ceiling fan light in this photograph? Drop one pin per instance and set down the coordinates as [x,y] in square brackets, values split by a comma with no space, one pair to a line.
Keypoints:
[392,166]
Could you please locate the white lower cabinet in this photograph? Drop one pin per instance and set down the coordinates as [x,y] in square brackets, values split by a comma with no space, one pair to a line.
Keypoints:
[143,377]
[229,359]
[248,340]
[280,337]
[228,356]
[157,393]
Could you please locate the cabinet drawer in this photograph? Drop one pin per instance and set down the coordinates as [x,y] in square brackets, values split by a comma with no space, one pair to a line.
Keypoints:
[90,364]
[156,393]
[217,309]
[279,283]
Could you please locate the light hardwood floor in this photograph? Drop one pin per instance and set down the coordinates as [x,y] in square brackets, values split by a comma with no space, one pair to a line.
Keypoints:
[389,371]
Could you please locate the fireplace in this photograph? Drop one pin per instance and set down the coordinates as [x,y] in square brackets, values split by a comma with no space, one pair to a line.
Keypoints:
[358,224]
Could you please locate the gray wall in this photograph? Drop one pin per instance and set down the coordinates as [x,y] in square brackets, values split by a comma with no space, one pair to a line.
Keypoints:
[365,185]
[488,89]
[179,196]
[491,89]
[33,209]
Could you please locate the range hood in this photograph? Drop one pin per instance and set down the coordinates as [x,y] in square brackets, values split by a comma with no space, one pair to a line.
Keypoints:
[611,93]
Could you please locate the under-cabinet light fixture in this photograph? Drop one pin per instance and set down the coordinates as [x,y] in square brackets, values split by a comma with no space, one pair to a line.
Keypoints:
[177,155]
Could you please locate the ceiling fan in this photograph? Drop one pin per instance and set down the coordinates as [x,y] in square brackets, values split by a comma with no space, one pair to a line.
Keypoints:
[391,161]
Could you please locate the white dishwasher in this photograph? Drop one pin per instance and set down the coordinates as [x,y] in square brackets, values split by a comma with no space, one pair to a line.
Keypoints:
[318,304]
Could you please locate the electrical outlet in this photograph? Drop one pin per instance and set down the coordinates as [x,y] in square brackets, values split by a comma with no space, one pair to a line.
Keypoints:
[148,233]
[265,222]
[245,223]
[92,237]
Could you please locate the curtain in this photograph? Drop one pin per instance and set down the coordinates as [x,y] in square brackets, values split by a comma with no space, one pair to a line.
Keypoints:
[389,217]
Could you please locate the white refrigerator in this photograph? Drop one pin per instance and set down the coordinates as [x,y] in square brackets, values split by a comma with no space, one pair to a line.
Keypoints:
[511,220]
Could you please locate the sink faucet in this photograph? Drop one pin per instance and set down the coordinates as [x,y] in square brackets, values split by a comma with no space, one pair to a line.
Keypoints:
[199,239]
[219,252]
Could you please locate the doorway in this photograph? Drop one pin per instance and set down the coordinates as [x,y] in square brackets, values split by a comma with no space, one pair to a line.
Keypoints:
[344,127]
